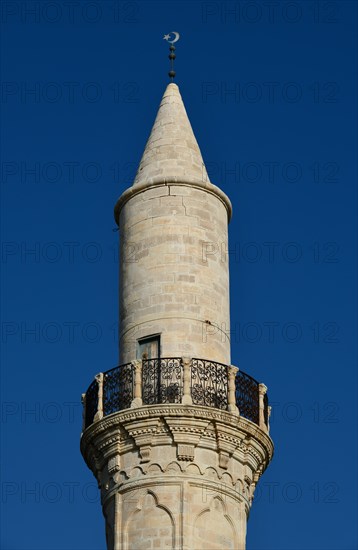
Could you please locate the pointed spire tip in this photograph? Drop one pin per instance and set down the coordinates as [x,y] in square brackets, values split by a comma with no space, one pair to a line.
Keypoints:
[172,152]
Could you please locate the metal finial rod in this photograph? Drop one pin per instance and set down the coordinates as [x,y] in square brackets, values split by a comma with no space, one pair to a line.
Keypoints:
[172,55]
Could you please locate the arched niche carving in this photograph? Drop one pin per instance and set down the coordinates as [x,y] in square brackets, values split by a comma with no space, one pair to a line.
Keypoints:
[214,528]
[149,521]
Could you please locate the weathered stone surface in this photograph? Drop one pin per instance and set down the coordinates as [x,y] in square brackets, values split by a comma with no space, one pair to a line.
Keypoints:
[171,150]
[192,490]
[185,307]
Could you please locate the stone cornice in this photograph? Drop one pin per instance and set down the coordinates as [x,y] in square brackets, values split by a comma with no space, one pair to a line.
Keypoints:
[135,426]
[142,187]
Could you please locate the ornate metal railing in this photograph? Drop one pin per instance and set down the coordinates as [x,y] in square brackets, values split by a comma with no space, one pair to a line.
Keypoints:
[118,388]
[162,380]
[247,396]
[91,403]
[176,380]
[266,410]
[209,383]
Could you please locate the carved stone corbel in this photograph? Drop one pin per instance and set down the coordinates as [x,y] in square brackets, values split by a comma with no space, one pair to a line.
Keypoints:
[114,464]
[186,434]
[145,452]
[224,459]
[142,432]
[185,452]
[226,444]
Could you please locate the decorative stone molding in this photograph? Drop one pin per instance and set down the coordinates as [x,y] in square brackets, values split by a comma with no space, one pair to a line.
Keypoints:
[114,464]
[191,469]
[114,439]
[186,434]
[185,452]
[142,432]
[224,459]
[106,432]
[233,438]
[182,181]
[227,441]
[145,452]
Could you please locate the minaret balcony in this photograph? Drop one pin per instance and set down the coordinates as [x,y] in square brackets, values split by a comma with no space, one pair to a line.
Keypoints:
[176,380]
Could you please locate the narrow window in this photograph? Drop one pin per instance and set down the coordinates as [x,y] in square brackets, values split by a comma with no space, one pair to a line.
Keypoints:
[149,347]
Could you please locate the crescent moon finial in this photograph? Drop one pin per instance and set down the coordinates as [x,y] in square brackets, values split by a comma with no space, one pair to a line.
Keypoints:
[172,55]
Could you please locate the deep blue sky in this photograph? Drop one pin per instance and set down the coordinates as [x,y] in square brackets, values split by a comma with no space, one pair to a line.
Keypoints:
[283,147]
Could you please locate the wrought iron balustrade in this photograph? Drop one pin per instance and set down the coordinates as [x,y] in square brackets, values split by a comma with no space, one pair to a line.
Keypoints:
[266,410]
[91,403]
[209,383]
[118,387]
[172,380]
[162,380]
[247,396]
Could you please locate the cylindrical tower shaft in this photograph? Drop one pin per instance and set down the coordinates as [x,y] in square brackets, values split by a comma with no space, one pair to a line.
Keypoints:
[174,280]
[174,276]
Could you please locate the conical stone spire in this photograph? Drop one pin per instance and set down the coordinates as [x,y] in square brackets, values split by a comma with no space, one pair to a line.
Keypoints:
[172,153]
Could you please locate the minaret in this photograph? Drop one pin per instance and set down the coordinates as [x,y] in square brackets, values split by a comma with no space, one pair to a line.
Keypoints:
[176,436]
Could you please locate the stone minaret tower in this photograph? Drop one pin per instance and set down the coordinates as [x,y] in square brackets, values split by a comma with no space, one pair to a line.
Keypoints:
[176,436]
